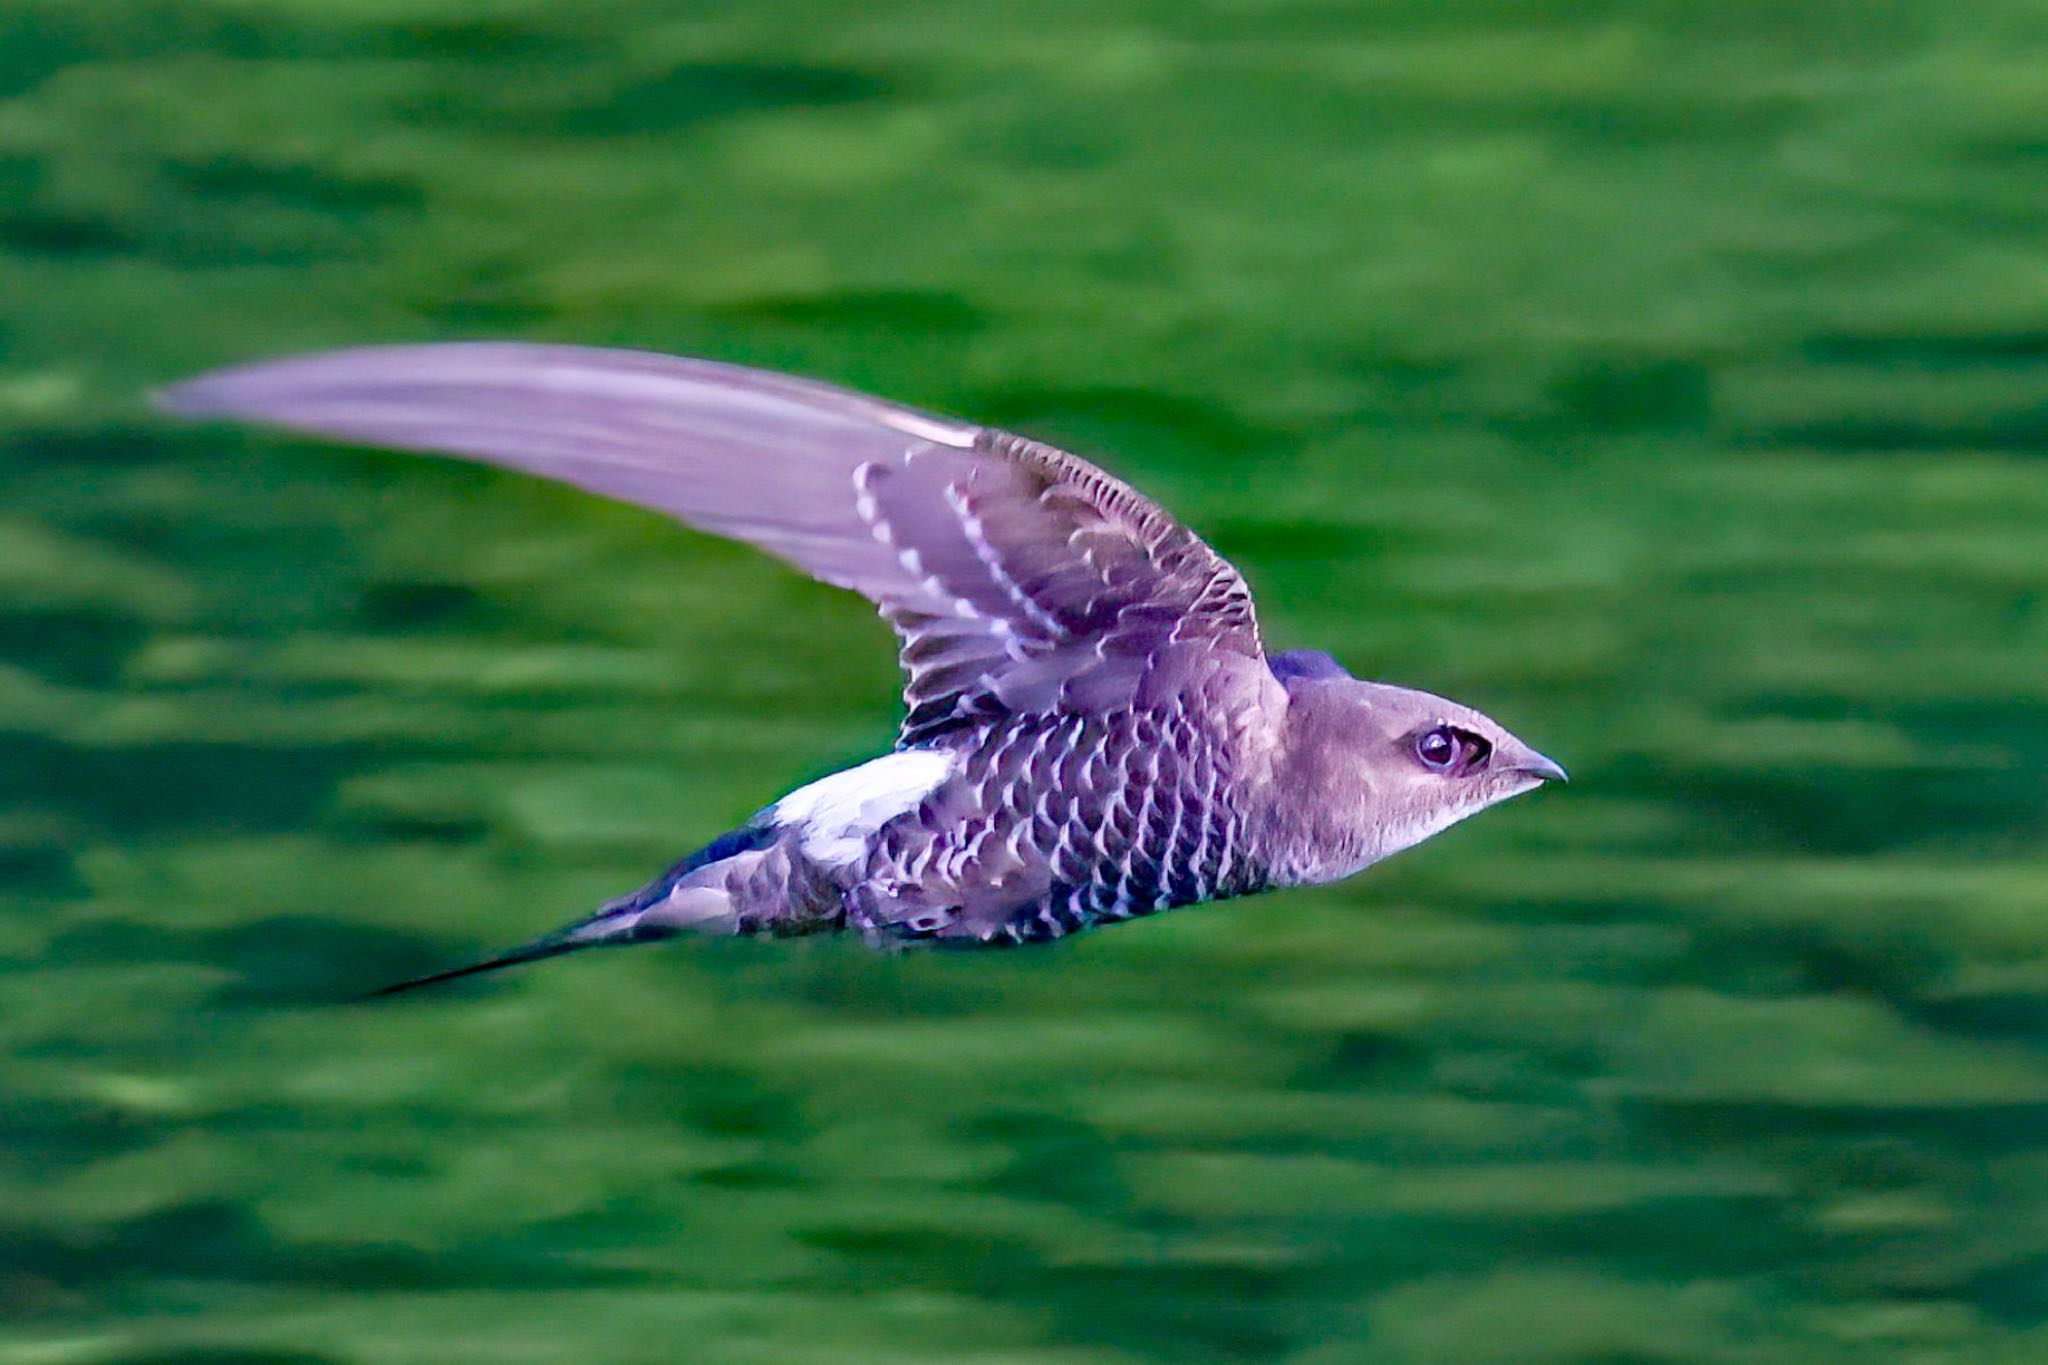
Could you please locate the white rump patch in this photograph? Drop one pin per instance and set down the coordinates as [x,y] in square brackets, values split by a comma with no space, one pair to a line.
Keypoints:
[835,816]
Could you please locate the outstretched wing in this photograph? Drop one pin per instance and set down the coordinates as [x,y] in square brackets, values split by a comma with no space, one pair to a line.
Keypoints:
[1021,579]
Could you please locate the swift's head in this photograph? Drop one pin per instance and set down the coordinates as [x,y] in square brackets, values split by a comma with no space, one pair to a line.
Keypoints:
[1371,769]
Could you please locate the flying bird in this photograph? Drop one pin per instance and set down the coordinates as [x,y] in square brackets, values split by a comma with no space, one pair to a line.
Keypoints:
[1093,731]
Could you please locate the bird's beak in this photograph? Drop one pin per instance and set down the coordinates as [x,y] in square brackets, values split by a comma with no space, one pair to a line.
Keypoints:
[1537,766]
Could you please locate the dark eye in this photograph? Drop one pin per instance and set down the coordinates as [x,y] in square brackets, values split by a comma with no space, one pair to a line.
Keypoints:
[1447,749]
[1437,748]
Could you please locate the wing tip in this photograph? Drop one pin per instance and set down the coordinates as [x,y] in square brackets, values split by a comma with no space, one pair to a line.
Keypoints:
[194,399]
[249,392]
[255,390]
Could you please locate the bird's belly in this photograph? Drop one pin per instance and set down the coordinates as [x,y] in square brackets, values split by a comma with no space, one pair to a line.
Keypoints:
[1039,834]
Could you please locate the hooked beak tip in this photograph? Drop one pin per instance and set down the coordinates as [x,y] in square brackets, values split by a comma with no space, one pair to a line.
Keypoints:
[1545,769]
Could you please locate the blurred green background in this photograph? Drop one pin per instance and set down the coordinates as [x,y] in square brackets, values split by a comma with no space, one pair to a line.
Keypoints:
[1669,379]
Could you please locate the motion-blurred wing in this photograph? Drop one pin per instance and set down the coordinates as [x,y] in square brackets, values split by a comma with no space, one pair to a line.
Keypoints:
[1021,579]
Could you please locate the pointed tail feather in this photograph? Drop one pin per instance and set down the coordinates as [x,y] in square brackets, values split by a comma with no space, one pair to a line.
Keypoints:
[546,946]
[662,910]
[613,926]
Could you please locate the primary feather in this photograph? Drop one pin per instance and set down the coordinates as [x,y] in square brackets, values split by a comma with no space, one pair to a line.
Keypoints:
[1018,577]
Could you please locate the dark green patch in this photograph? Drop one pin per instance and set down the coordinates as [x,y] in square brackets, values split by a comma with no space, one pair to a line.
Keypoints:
[54,233]
[668,102]
[78,648]
[255,186]
[895,311]
[1617,395]
[221,1241]
[182,786]
[224,1355]
[417,606]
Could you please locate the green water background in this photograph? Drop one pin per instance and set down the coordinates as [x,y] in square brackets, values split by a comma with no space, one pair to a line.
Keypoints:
[1669,379]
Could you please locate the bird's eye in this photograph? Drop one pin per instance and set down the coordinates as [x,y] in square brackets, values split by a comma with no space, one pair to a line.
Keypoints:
[1447,749]
[1437,748]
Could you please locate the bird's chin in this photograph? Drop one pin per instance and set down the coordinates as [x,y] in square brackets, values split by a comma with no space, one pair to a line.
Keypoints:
[1413,826]
[1509,785]
[1396,835]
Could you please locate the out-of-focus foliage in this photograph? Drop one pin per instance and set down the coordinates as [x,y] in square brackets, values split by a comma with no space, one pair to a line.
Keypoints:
[1667,379]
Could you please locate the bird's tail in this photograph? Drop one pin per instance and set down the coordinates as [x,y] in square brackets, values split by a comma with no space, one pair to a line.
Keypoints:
[689,896]
[607,928]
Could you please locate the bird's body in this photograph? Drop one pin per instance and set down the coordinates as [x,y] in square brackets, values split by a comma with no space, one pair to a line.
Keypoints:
[1093,732]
